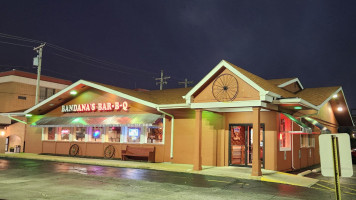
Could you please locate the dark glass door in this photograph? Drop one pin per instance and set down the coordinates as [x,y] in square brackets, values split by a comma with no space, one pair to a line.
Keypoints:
[241,144]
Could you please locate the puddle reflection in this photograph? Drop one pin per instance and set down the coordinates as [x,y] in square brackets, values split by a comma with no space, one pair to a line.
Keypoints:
[4,164]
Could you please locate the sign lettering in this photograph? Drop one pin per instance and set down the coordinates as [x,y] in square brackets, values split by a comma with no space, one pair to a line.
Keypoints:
[92,107]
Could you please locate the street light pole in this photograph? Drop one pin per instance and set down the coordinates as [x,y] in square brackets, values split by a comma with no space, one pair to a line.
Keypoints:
[39,62]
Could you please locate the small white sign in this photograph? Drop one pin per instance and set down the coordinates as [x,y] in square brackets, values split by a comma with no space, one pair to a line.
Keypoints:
[326,154]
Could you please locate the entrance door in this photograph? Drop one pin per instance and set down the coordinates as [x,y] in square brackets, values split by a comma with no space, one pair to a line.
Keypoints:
[7,144]
[241,144]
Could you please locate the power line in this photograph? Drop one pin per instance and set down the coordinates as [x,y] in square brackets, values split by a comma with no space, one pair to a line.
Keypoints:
[22,45]
[98,66]
[56,47]
[83,56]
[14,37]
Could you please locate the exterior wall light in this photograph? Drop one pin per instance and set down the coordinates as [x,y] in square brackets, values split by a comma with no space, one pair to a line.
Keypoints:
[2,133]
[339,108]
[335,96]
[73,92]
[28,115]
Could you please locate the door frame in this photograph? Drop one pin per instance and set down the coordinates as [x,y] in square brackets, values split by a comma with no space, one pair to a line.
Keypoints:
[7,143]
[263,139]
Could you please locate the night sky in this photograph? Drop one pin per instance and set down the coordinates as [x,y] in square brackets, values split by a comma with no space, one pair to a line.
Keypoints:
[129,42]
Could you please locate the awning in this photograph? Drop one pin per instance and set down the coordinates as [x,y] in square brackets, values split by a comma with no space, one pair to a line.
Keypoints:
[116,120]
[304,127]
[322,128]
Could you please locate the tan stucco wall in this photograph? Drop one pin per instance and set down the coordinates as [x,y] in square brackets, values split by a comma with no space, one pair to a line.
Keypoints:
[245,91]
[16,132]
[269,119]
[10,101]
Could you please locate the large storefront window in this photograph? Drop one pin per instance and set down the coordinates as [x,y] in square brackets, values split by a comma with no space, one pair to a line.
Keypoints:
[284,133]
[123,134]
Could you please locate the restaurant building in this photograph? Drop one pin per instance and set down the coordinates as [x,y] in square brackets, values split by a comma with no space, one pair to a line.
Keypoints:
[230,118]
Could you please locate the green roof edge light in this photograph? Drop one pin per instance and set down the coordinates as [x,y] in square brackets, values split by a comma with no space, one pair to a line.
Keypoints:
[297,107]
[73,92]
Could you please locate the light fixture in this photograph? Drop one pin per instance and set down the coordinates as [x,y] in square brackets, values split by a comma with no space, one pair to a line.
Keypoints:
[297,107]
[339,108]
[335,96]
[2,133]
[28,115]
[73,92]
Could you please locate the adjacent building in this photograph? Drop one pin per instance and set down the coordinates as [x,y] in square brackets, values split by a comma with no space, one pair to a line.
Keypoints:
[231,117]
[18,90]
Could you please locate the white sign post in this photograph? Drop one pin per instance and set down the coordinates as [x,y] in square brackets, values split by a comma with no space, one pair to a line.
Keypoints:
[335,157]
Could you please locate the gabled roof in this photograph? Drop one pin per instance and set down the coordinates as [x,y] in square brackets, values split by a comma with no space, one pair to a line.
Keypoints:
[279,81]
[34,76]
[263,83]
[317,96]
[167,96]
[152,98]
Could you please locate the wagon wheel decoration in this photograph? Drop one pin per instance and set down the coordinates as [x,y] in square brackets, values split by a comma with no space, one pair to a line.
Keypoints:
[225,88]
[74,150]
[109,151]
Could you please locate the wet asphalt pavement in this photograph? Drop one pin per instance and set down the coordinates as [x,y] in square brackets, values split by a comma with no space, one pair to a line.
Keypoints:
[89,182]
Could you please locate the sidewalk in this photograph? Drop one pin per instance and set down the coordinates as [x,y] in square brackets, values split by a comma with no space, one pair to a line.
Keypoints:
[229,171]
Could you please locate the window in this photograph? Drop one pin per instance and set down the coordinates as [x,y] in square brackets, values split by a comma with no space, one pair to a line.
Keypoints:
[133,134]
[154,135]
[51,133]
[46,92]
[64,134]
[21,97]
[113,134]
[95,134]
[307,140]
[80,134]
[285,128]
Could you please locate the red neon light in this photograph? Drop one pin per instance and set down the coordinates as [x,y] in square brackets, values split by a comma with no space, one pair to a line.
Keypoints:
[65,131]
[92,107]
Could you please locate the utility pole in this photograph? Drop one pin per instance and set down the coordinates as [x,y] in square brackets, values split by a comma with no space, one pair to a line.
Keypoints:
[185,82]
[37,61]
[162,80]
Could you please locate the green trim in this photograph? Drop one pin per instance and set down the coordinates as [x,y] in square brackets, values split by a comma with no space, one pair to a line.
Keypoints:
[295,120]
[17,119]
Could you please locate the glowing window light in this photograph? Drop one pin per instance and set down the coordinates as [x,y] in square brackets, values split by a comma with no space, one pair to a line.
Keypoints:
[335,96]
[96,134]
[339,108]
[65,131]
[73,92]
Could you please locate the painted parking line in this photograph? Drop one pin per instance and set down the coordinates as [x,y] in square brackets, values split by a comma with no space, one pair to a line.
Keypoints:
[333,190]
[219,181]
